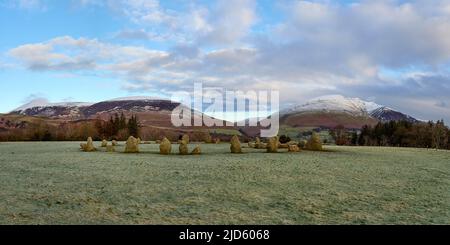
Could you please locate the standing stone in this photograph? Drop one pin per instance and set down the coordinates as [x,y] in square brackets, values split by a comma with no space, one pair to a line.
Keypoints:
[217,141]
[184,150]
[114,143]
[293,148]
[104,143]
[302,144]
[314,143]
[197,150]
[235,145]
[165,147]
[132,145]
[139,141]
[185,138]
[257,143]
[272,145]
[208,138]
[89,146]
[110,148]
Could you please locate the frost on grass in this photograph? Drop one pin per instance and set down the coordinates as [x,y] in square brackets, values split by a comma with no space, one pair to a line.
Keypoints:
[53,183]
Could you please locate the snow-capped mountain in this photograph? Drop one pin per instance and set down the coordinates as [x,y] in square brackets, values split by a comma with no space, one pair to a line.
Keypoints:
[42,107]
[132,98]
[147,107]
[130,104]
[325,111]
[80,110]
[45,103]
[332,110]
[336,103]
[386,114]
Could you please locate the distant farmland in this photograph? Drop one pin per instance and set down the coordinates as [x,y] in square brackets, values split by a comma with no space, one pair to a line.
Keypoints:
[55,183]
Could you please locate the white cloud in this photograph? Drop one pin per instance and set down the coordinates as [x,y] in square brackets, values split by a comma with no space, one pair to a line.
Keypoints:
[319,47]
[229,22]
[381,32]
[70,54]
[225,23]
[143,11]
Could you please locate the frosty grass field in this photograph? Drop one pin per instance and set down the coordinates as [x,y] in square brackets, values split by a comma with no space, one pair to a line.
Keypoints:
[55,183]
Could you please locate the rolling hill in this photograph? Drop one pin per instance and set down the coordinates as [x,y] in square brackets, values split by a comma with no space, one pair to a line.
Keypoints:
[334,110]
[155,114]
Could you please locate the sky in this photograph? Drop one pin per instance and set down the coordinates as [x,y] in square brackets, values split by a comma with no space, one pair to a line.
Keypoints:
[395,53]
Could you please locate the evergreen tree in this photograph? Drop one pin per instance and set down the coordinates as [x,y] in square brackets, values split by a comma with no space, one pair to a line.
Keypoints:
[122,121]
[110,127]
[116,123]
[340,135]
[407,134]
[133,126]
[364,136]
[100,127]
[439,135]
[354,140]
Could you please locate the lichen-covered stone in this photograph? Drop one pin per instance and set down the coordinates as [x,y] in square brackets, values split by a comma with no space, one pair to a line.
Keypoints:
[259,144]
[197,150]
[293,148]
[185,138]
[110,148]
[104,143]
[272,145]
[89,146]
[314,143]
[132,145]
[235,145]
[165,147]
[302,144]
[184,150]
[208,138]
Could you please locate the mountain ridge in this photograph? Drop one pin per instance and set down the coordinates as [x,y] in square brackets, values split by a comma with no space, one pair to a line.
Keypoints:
[324,111]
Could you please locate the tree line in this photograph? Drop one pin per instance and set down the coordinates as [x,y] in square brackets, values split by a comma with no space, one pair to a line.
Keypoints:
[118,127]
[397,134]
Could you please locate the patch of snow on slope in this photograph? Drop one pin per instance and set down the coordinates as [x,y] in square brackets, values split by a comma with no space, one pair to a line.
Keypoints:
[337,103]
[42,103]
[136,98]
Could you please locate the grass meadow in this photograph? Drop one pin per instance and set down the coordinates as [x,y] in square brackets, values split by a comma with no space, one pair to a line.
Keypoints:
[55,183]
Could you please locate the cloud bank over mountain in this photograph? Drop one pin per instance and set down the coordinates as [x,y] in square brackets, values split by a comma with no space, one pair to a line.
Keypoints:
[394,52]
